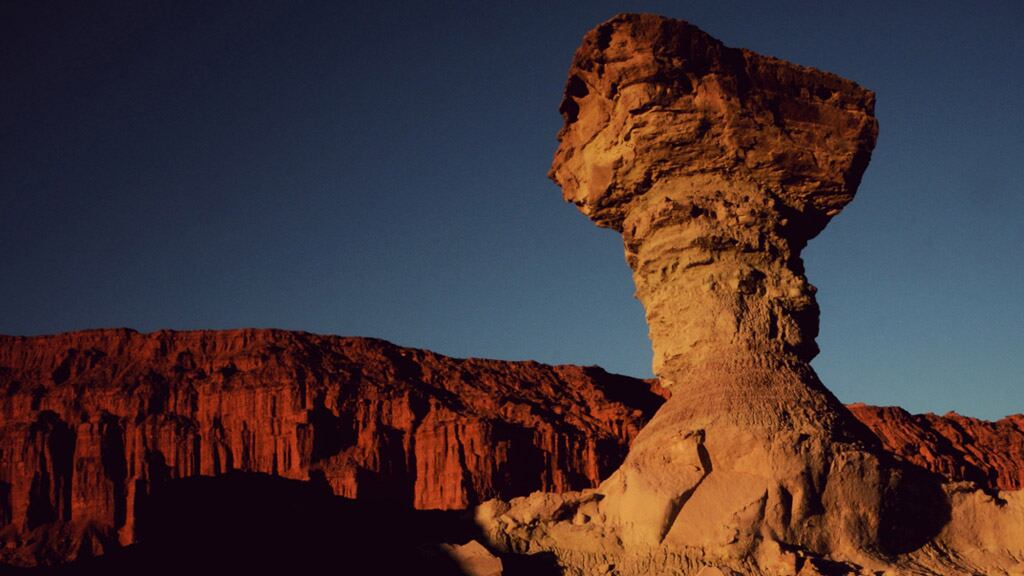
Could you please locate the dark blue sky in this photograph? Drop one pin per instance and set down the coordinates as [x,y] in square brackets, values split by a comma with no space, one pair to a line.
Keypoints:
[378,169]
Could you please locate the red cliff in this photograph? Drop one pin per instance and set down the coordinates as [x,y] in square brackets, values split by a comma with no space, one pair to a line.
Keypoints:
[990,454]
[93,422]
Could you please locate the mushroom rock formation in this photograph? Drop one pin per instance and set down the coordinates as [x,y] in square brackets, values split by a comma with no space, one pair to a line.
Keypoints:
[717,166]
[95,424]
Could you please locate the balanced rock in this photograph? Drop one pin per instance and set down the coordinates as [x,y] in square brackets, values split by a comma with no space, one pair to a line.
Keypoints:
[717,166]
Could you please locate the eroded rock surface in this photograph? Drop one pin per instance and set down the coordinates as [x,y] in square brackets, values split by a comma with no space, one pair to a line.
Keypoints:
[91,423]
[717,166]
[960,448]
[94,422]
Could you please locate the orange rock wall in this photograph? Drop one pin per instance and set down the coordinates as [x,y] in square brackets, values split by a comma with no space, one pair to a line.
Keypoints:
[93,422]
[990,454]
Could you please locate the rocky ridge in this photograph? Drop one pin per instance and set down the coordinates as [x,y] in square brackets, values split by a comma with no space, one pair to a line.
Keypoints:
[960,448]
[88,416]
[92,423]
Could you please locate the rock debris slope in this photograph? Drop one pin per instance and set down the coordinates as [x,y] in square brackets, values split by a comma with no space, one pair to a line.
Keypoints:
[92,423]
[717,166]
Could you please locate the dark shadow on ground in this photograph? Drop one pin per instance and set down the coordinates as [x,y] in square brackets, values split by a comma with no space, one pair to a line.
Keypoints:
[259,524]
[916,507]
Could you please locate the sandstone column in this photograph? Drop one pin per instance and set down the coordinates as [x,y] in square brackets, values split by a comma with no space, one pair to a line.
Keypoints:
[717,166]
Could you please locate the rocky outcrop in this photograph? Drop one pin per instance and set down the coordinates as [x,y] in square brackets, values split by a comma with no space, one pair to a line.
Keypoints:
[988,454]
[717,166]
[93,423]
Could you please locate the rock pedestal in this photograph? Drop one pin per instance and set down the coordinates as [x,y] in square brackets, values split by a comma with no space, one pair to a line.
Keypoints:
[717,166]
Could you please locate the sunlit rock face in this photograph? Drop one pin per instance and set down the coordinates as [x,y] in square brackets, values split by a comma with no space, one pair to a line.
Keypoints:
[960,448]
[717,166]
[95,424]
[99,426]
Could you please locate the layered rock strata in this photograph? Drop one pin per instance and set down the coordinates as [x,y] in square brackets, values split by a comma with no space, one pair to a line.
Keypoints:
[92,423]
[717,166]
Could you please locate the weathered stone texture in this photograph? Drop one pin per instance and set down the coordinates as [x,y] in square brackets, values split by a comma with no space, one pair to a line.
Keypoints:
[93,422]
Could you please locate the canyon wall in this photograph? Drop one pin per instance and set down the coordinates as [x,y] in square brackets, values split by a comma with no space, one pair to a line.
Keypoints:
[93,422]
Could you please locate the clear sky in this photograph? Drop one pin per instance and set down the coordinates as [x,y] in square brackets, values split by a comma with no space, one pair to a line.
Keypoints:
[378,169]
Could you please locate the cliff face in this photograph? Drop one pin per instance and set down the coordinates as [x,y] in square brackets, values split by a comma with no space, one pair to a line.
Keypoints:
[990,454]
[94,423]
[91,423]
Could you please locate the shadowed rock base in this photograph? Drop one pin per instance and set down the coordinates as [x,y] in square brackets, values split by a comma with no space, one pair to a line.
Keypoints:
[717,166]
[243,523]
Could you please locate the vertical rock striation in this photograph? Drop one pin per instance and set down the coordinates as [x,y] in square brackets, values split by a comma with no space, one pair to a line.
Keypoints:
[93,423]
[96,424]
